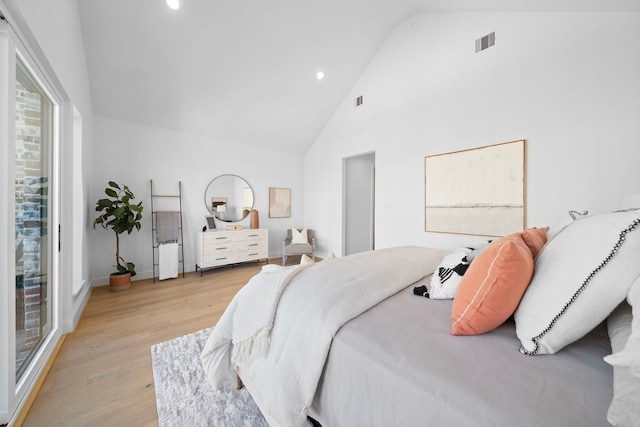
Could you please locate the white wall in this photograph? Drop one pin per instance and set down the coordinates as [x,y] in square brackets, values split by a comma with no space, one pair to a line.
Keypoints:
[566,82]
[134,154]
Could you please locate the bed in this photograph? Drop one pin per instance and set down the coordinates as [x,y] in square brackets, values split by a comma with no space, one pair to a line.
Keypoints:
[411,371]
[349,343]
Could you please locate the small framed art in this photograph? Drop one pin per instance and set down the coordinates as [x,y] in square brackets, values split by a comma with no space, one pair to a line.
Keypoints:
[279,202]
[211,223]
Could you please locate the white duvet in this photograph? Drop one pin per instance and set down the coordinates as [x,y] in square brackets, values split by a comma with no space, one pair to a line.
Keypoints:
[314,305]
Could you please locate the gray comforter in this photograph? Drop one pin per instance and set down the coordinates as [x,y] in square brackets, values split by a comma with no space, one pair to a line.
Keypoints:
[398,365]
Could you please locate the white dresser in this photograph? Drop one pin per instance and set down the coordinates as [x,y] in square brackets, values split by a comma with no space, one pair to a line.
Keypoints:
[217,248]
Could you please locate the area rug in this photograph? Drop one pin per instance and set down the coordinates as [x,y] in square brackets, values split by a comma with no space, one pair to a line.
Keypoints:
[185,398]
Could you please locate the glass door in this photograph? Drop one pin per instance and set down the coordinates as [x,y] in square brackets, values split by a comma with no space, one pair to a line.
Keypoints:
[34,132]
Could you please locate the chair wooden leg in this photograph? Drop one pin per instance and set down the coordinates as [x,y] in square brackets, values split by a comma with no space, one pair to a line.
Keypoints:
[239,384]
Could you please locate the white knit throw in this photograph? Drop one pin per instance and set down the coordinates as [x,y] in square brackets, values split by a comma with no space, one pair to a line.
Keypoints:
[254,316]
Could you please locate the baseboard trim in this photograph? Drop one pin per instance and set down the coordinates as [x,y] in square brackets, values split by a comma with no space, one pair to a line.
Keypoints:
[34,392]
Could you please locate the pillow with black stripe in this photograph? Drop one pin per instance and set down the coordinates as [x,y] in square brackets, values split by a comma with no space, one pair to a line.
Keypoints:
[445,280]
[579,278]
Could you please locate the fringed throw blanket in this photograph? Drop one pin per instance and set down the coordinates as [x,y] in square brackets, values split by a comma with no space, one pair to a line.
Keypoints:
[317,302]
[253,318]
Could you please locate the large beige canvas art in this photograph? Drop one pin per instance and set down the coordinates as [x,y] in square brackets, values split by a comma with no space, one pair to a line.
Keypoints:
[479,191]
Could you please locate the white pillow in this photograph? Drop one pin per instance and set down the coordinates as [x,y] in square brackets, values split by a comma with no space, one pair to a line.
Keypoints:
[624,330]
[564,223]
[445,280]
[619,327]
[306,259]
[580,277]
[299,237]
[629,356]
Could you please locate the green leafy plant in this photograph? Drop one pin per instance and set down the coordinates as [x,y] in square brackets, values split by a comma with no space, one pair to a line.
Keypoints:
[119,215]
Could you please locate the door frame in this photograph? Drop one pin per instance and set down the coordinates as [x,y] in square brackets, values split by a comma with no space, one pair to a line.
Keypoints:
[14,394]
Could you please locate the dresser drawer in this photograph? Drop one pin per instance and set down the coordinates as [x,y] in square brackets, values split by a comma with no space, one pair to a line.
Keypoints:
[218,248]
[218,259]
[217,237]
[256,235]
[251,250]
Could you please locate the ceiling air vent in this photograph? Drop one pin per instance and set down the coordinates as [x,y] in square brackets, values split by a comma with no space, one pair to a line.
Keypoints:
[485,42]
[358,101]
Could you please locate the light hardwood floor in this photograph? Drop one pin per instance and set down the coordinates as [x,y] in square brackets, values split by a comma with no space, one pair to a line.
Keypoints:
[102,375]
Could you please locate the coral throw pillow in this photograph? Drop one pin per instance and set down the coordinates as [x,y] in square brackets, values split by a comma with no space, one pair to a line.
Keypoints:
[535,239]
[492,287]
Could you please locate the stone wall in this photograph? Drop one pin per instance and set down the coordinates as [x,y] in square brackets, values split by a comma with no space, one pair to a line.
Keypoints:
[31,193]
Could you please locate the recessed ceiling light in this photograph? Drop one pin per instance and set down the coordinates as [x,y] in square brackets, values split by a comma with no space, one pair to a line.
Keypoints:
[320,75]
[173,4]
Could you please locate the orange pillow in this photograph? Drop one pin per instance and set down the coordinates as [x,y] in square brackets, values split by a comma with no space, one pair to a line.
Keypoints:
[492,287]
[535,238]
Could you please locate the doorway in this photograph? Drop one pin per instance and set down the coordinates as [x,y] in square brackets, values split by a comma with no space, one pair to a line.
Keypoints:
[358,233]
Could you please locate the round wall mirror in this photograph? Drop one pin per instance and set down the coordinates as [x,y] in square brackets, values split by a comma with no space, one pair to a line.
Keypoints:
[229,198]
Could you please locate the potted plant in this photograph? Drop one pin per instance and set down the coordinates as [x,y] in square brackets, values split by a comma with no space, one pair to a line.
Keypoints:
[119,215]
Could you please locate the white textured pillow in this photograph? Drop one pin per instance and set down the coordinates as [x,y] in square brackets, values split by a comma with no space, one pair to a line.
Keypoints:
[629,356]
[580,277]
[624,330]
[299,237]
[619,327]
[306,259]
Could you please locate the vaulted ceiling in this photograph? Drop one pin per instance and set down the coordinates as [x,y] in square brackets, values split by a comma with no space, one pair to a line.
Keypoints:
[245,70]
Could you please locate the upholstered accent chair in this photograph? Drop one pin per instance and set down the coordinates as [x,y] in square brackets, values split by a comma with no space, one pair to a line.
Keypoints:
[289,247]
